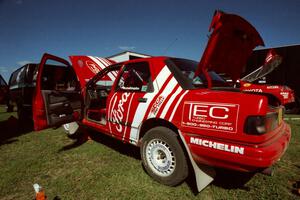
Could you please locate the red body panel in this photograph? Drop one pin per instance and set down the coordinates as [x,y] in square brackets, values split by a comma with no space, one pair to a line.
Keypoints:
[239,156]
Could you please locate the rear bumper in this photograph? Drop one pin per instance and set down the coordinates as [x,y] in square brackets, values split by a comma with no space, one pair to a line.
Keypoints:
[239,156]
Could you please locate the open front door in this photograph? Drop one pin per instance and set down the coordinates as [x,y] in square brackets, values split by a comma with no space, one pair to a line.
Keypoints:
[57,99]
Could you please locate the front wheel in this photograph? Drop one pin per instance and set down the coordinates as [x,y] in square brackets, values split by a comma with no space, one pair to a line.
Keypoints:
[163,156]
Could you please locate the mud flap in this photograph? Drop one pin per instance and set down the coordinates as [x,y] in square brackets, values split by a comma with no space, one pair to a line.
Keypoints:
[204,174]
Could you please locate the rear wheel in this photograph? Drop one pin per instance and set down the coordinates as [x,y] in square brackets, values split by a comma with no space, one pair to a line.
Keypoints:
[163,156]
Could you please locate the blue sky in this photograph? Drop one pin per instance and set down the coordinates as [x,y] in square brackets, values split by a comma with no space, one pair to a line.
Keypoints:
[178,28]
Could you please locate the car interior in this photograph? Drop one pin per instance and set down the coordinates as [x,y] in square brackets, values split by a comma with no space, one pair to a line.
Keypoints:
[97,94]
[61,90]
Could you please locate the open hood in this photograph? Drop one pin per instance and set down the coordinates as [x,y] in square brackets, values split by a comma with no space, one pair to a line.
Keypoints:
[229,46]
[272,61]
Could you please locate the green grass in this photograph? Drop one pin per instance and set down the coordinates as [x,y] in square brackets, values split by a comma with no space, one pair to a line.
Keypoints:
[108,169]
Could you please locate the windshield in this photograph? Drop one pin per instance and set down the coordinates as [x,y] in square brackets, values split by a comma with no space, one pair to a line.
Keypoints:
[184,72]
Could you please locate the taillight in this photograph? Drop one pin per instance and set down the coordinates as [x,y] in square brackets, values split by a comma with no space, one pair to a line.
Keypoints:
[255,125]
[258,125]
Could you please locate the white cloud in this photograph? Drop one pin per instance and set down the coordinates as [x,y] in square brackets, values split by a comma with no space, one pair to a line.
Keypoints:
[23,62]
[127,48]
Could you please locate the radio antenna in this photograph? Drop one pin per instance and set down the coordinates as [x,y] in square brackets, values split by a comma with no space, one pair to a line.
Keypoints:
[171,44]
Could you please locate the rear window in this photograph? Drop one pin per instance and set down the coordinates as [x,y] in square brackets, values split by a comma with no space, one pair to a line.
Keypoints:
[184,71]
[59,77]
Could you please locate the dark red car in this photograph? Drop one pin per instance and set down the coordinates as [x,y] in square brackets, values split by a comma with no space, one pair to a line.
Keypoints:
[281,92]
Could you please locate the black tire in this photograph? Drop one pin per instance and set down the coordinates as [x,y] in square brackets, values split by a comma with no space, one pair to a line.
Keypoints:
[165,161]
[21,113]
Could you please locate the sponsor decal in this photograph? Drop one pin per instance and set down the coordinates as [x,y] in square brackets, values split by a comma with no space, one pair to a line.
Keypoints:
[217,145]
[155,107]
[285,95]
[92,66]
[247,85]
[253,90]
[211,116]
[117,111]
[272,87]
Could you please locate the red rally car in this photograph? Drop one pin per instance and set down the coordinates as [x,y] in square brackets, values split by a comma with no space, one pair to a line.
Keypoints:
[282,92]
[176,110]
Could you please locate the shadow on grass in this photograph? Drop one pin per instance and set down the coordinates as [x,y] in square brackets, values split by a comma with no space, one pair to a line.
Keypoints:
[11,128]
[296,188]
[229,179]
[119,146]
[78,142]
[226,179]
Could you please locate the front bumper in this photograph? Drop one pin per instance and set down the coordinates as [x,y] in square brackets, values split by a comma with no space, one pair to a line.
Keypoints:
[239,156]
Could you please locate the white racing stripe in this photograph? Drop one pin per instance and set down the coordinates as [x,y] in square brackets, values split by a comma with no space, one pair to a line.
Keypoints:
[165,93]
[109,113]
[169,103]
[177,104]
[142,107]
[107,63]
[102,67]
[96,61]
[128,112]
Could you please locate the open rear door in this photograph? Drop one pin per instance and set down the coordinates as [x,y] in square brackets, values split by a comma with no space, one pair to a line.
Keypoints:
[57,99]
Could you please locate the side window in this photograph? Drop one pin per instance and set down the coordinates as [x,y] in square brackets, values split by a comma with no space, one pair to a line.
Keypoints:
[17,78]
[31,74]
[107,80]
[58,76]
[136,77]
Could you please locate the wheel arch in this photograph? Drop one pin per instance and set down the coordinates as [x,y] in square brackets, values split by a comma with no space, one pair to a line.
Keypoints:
[154,122]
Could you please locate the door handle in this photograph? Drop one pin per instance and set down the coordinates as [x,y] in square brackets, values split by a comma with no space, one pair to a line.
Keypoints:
[142,100]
